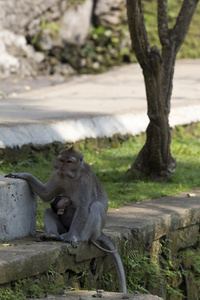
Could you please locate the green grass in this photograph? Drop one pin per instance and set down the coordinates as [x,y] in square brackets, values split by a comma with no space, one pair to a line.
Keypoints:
[111,164]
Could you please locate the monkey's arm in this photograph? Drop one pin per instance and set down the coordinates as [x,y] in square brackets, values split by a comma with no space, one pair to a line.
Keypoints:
[45,191]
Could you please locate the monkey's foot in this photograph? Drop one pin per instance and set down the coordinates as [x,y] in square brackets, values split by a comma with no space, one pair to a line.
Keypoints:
[67,238]
[45,236]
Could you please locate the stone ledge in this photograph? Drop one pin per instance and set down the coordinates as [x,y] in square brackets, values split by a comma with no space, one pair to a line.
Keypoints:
[25,258]
[149,220]
[18,209]
[91,295]
[140,223]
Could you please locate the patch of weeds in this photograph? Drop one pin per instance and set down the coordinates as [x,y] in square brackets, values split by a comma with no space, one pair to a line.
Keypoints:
[174,292]
[10,294]
[141,272]
[52,27]
[107,282]
[34,288]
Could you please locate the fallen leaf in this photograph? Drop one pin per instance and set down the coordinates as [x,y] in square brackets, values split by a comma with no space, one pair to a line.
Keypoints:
[27,87]
[191,195]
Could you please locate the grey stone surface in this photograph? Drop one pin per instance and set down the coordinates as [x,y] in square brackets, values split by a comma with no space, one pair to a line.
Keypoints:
[110,13]
[17,57]
[21,20]
[149,220]
[72,29]
[24,16]
[90,295]
[18,209]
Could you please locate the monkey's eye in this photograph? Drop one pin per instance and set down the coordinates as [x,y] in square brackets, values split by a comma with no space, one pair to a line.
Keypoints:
[69,161]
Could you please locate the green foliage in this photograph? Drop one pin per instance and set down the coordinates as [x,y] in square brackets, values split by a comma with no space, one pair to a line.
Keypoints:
[104,48]
[51,26]
[110,45]
[9,294]
[174,292]
[159,275]
[29,288]
[106,282]
[136,265]
[141,272]
[190,47]
[76,2]
[190,258]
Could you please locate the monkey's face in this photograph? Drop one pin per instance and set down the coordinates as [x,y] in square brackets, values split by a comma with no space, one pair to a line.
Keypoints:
[62,205]
[68,162]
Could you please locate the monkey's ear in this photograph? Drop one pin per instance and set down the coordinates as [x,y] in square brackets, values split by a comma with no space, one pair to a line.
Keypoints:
[72,148]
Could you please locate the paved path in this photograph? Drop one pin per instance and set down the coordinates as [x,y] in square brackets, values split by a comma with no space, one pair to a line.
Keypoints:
[94,105]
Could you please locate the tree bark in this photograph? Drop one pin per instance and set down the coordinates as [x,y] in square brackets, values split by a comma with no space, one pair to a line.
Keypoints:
[155,159]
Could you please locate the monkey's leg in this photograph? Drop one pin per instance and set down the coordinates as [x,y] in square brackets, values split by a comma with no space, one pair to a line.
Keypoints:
[87,224]
[53,226]
[94,224]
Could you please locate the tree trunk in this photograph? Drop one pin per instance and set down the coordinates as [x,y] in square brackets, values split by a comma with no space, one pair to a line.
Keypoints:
[155,158]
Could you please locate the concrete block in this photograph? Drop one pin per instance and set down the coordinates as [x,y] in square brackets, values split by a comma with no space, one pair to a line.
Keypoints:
[18,209]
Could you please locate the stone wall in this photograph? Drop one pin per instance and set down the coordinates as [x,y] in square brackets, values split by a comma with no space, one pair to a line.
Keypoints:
[31,30]
[18,209]
[158,240]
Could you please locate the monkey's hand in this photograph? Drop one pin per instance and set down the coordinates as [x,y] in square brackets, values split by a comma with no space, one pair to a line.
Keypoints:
[17,175]
[68,238]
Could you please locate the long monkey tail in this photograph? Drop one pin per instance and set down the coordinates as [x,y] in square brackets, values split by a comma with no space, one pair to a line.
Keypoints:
[103,249]
[117,260]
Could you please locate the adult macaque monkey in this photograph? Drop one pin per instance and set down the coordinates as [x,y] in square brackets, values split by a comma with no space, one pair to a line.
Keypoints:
[75,179]
[58,219]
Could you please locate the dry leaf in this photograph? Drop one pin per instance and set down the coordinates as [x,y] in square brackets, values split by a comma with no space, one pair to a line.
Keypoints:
[191,195]
[27,87]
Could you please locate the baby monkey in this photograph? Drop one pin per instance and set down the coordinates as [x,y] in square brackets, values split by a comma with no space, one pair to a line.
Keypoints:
[58,219]
[60,204]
